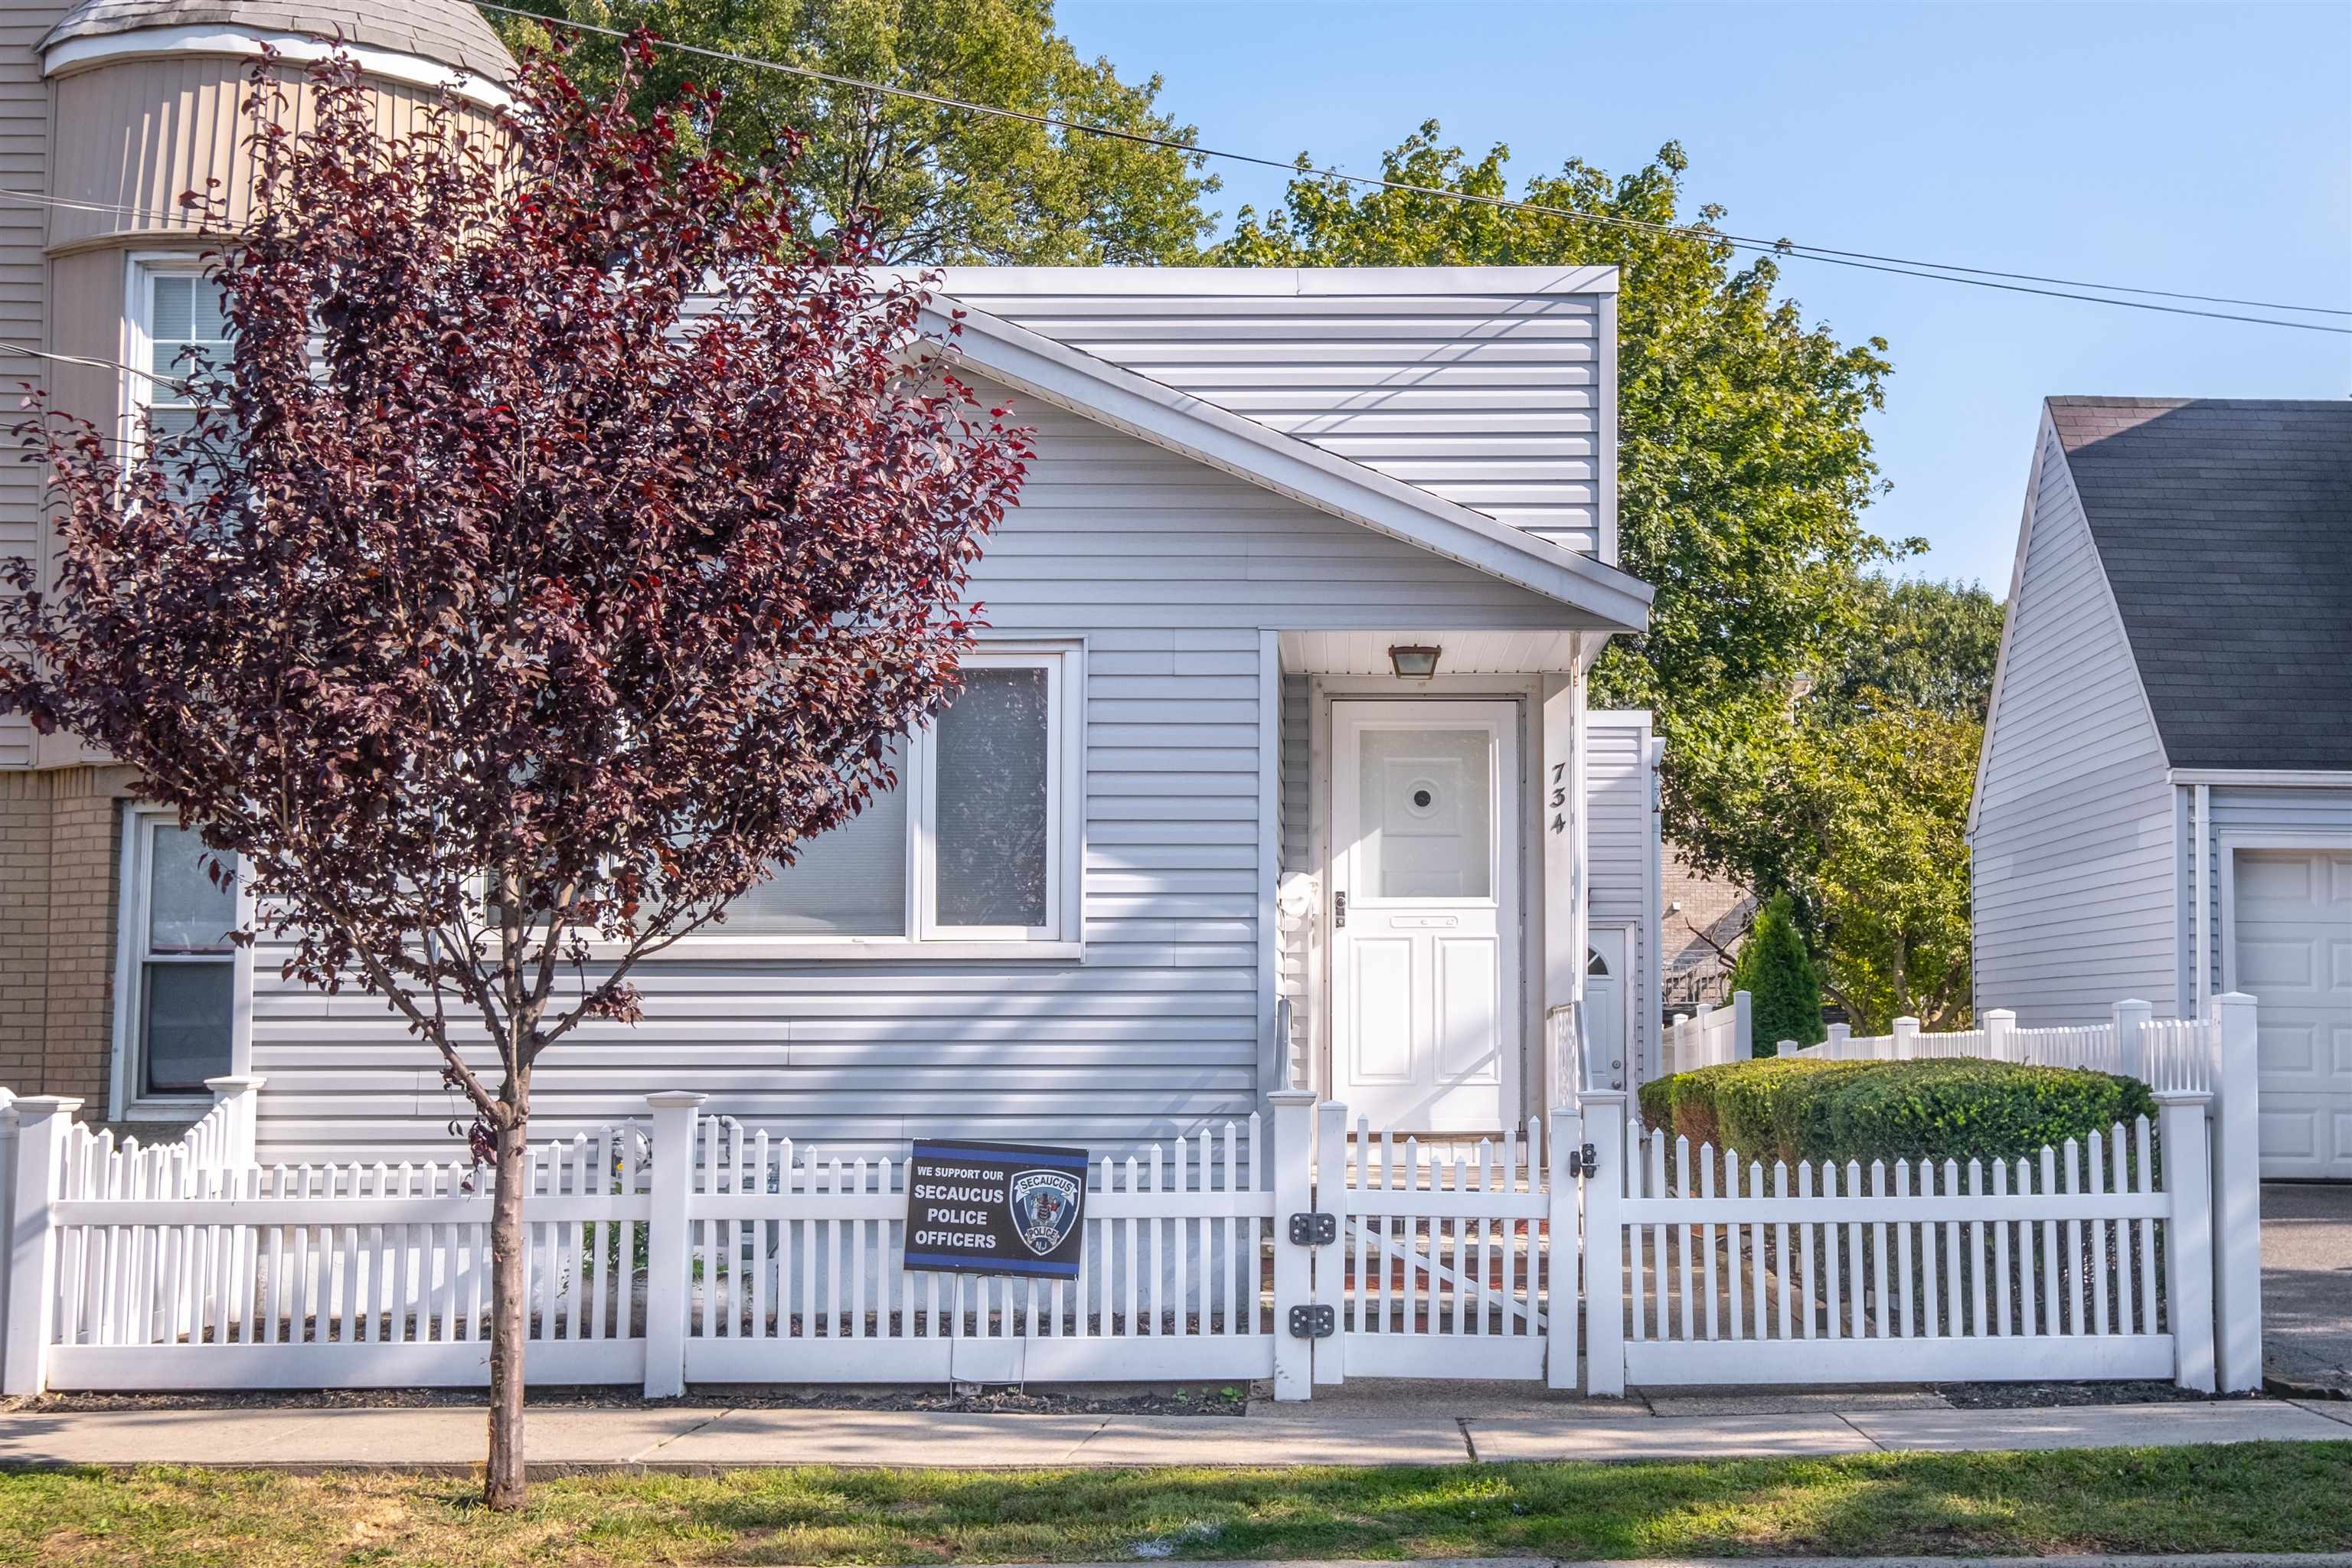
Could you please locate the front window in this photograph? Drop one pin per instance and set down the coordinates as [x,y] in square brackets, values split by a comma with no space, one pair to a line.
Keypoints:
[977,842]
[180,981]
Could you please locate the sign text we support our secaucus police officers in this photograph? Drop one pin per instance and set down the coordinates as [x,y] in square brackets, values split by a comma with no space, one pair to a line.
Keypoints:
[995,1208]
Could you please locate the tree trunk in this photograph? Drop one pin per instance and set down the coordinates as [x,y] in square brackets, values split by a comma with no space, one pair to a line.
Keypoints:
[502,1485]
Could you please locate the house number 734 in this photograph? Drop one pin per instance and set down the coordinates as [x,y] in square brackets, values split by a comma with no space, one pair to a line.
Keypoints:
[1558,797]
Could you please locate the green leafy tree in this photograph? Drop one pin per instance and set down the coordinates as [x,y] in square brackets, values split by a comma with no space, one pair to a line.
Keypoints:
[937,185]
[1915,643]
[1883,803]
[1778,975]
[1743,466]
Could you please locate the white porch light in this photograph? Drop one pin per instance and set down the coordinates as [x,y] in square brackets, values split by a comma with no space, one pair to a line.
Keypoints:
[1414,663]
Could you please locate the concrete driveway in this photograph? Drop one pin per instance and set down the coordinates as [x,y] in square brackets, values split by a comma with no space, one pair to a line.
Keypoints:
[2307,1287]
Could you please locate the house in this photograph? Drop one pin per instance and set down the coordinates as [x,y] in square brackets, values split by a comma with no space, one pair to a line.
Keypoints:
[1284,690]
[2163,804]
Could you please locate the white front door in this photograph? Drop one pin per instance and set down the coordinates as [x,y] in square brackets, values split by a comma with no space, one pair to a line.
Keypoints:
[2293,953]
[1424,914]
[1604,1008]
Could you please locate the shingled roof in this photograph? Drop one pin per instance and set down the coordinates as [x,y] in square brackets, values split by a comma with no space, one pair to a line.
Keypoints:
[448,32]
[2225,527]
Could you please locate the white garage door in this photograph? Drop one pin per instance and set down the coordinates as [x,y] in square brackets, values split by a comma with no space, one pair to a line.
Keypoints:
[2293,953]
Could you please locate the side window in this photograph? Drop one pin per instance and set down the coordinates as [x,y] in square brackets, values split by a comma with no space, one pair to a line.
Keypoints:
[180,978]
[179,326]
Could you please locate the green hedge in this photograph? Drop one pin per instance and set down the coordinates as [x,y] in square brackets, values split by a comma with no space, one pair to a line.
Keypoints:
[1799,1107]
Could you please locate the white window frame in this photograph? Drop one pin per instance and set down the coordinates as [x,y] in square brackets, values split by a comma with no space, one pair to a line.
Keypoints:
[133,883]
[1060,934]
[141,269]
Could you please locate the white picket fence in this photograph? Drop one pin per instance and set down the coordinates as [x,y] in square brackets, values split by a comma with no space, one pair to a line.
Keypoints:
[2212,1056]
[1710,1038]
[2047,1268]
[694,1250]
[797,1271]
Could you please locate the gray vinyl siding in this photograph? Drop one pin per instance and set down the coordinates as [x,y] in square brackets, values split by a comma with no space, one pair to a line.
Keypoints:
[1167,570]
[1487,400]
[2245,810]
[23,284]
[1619,838]
[2073,855]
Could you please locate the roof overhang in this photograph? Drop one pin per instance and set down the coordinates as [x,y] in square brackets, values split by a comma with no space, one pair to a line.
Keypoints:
[1606,598]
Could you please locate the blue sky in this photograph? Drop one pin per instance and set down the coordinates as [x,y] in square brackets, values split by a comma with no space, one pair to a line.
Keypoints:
[2206,147]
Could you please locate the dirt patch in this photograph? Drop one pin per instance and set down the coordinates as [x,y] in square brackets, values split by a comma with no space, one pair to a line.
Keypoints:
[1223,1399]
[2054,1395]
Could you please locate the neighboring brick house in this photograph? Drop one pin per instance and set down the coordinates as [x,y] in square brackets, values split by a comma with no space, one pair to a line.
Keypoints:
[1703,921]
[108,111]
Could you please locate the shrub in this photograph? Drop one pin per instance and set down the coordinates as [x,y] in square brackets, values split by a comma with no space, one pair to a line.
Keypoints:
[1778,975]
[1805,1108]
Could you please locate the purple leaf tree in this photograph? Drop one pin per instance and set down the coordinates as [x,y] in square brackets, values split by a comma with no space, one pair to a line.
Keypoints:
[560,546]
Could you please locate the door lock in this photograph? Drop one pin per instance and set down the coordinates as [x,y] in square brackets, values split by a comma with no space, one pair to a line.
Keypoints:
[1339,909]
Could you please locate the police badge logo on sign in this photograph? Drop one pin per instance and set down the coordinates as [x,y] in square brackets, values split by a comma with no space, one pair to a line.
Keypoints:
[1044,1206]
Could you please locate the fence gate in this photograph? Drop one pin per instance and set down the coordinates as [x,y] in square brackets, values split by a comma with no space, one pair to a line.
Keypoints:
[1450,1259]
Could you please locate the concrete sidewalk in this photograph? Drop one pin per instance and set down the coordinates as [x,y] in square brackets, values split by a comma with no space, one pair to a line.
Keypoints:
[564,1439]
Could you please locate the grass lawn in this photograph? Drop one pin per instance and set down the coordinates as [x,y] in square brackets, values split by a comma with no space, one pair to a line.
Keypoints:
[2268,1497]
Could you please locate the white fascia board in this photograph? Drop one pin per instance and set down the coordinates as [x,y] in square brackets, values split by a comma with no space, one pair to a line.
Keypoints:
[2263,778]
[91,51]
[1328,282]
[1096,389]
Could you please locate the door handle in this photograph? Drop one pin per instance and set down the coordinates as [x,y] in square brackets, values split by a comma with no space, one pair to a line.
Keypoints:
[1339,909]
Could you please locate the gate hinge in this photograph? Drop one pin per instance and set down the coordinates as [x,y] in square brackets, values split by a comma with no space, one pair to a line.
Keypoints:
[1314,1230]
[1313,1322]
[1584,1162]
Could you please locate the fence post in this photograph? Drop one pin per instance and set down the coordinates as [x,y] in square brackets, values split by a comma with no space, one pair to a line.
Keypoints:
[2001,1034]
[1675,1038]
[1331,1198]
[43,1122]
[1743,1026]
[1564,1130]
[1904,1042]
[1604,1252]
[2237,1196]
[669,1282]
[2188,1238]
[241,1093]
[1294,1265]
[2131,1017]
[1836,1046]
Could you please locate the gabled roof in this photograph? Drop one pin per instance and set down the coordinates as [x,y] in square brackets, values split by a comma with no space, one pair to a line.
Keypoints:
[2224,527]
[1094,388]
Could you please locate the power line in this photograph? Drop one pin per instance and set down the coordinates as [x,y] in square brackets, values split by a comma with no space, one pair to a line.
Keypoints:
[106,365]
[1946,272]
[72,204]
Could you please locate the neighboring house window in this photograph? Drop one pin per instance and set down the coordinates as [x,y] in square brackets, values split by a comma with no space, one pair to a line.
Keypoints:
[977,842]
[176,1014]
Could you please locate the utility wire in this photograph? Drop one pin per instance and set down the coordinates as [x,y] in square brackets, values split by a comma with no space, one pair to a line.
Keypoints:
[107,364]
[1946,272]
[72,204]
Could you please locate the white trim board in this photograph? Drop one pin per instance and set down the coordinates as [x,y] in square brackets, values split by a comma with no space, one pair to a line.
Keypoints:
[90,51]
[1237,282]
[2264,778]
